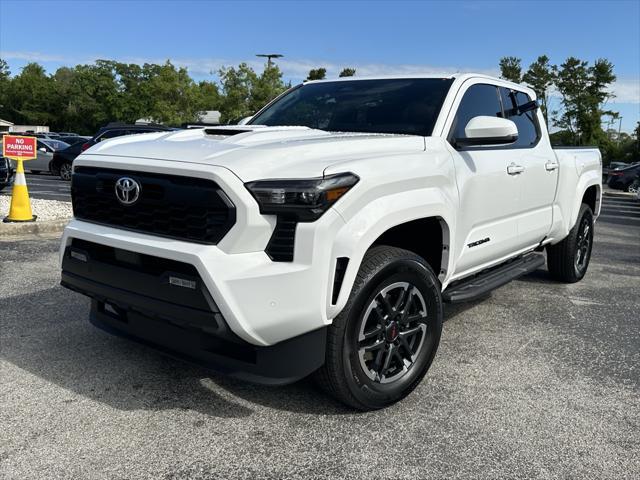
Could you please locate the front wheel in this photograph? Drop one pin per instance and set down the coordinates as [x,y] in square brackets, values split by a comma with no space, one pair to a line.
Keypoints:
[383,342]
[568,260]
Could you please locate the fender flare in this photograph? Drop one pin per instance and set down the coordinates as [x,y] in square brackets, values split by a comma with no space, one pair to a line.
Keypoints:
[584,185]
[360,233]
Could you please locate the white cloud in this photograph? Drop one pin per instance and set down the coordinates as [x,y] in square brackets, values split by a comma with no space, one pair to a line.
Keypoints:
[32,57]
[626,90]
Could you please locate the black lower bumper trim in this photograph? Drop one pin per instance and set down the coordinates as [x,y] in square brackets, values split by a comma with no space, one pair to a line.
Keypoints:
[280,364]
[182,322]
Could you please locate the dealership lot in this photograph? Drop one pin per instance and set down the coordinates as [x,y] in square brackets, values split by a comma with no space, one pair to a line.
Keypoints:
[46,187]
[539,380]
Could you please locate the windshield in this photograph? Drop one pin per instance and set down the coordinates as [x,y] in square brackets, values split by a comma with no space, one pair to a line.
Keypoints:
[55,144]
[406,106]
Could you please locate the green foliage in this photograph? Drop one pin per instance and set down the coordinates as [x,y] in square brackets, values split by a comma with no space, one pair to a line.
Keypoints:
[583,90]
[510,69]
[85,97]
[347,72]
[540,77]
[244,92]
[317,74]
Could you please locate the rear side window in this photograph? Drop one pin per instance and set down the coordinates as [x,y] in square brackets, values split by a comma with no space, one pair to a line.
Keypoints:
[111,134]
[527,123]
[479,99]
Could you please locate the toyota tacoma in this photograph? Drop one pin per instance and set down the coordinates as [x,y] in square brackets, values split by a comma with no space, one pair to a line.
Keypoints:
[323,236]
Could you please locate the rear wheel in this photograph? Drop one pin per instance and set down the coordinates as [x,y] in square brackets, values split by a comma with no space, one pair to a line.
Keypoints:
[568,260]
[65,171]
[382,344]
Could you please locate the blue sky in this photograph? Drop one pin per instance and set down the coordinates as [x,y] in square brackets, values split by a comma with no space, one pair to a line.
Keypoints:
[375,37]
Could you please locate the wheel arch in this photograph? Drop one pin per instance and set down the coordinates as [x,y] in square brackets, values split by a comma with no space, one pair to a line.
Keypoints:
[591,194]
[405,232]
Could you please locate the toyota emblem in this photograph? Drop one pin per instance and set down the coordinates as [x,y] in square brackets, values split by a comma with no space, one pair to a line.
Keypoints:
[127,191]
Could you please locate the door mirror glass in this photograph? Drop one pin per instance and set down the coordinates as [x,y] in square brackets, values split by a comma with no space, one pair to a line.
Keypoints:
[485,130]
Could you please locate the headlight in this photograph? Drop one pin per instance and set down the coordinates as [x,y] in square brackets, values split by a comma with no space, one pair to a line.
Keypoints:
[305,199]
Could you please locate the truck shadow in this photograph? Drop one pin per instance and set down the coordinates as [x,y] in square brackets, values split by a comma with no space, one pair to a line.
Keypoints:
[48,335]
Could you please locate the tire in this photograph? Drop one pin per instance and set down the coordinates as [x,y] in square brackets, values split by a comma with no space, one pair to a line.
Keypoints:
[65,171]
[402,333]
[568,260]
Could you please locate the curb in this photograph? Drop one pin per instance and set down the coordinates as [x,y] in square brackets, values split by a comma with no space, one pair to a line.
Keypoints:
[33,228]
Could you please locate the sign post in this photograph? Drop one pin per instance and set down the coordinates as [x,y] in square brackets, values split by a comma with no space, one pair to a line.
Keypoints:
[20,148]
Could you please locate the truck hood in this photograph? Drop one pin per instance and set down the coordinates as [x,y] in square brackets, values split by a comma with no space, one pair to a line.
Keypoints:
[258,152]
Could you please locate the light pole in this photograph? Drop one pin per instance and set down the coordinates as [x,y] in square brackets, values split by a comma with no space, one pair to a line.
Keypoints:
[619,130]
[269,56]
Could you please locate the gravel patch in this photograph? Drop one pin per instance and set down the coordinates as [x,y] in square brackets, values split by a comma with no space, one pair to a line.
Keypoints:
[44,209]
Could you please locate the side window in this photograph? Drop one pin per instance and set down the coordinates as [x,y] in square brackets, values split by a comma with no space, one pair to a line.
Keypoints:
[479,99]
[527,123]
[110,134]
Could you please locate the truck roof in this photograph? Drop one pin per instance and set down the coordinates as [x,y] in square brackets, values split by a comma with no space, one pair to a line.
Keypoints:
[459,77]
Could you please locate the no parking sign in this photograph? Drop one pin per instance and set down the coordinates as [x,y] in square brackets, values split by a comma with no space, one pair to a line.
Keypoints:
[19,148]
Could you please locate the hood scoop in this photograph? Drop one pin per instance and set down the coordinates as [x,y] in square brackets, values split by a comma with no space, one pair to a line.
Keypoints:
[227,132]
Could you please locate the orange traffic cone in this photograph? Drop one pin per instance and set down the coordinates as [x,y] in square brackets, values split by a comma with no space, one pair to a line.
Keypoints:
[20,210]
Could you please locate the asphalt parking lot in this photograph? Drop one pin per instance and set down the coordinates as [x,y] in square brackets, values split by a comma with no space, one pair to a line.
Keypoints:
[540,380]
[45,186]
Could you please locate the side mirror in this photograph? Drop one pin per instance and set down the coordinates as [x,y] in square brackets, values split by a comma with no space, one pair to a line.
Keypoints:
[245,120]
[42,149]
[485,130]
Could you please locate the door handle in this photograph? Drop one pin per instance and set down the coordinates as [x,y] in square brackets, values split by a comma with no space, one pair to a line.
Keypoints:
[514,169]
[550,166]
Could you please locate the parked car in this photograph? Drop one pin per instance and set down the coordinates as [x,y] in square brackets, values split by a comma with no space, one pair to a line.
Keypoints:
[624,178]
[73,139]
[62,161]
[46,148]
[635,185]
[612,166]
[6,171]
[120,129]
[273,251]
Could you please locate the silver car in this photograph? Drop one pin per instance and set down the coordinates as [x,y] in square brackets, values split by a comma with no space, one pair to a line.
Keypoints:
[46,148]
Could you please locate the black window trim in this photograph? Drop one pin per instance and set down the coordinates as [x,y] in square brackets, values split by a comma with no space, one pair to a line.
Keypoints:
[449,136]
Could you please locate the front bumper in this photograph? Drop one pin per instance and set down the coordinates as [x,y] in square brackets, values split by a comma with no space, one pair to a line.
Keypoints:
[164,304]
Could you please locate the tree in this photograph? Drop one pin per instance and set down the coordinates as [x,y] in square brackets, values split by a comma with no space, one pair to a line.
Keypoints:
[266,87]
[583,90]
[237,84]
[540,77]
[317,74]
[510,69]
[5,82]
[347,72]
[30,96]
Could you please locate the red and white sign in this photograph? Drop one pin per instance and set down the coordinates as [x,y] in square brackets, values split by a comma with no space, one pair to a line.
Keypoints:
[19,148]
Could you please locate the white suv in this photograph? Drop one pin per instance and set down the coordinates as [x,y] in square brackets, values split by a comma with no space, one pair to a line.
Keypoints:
[324,235]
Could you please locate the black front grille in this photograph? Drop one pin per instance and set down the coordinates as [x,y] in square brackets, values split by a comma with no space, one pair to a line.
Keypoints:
[184,208]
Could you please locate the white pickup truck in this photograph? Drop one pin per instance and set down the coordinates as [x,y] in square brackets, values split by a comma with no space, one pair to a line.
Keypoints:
[324,235]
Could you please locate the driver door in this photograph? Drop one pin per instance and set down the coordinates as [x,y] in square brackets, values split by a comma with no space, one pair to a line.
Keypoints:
[486,223]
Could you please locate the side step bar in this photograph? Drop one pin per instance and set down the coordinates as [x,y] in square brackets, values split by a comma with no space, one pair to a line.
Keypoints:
[482,283]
